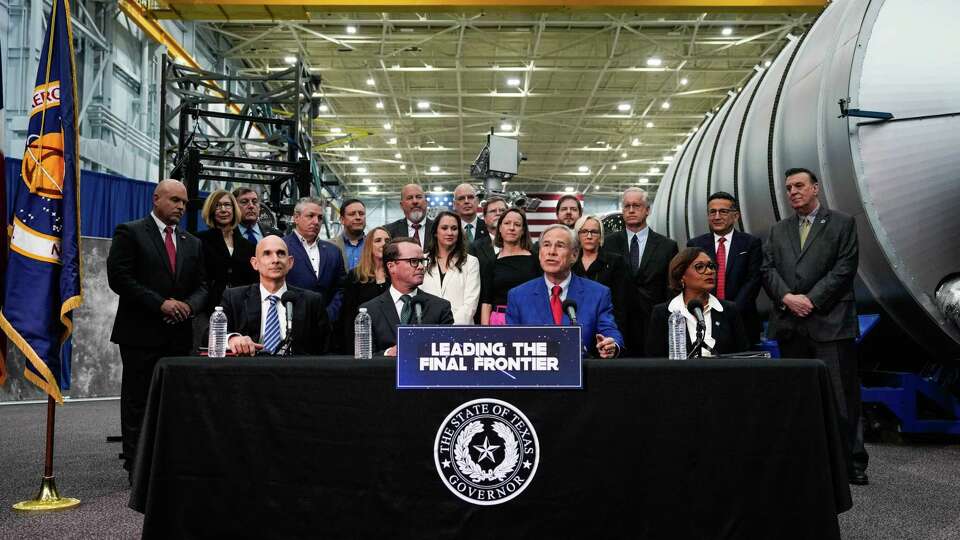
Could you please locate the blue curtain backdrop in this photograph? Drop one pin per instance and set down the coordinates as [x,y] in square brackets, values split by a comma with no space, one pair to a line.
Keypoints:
[106,200]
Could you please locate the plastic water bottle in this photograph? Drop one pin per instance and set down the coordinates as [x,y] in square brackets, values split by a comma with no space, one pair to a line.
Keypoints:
[677,336]
[217,342]
[362,338]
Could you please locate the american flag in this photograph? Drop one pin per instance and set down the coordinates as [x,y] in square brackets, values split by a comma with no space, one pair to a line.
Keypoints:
[546,213]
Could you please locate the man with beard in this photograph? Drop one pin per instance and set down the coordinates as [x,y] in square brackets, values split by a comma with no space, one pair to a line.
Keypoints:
[414,223]
[405,264]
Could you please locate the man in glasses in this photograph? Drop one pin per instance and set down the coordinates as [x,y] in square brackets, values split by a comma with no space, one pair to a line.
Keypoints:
[405,264]
[249,226]
[738,256]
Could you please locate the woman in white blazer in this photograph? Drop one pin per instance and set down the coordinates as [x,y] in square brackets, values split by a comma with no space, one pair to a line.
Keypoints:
[452,274]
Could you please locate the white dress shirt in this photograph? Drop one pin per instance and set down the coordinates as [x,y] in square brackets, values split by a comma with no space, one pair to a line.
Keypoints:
[677,304]
[265,307]
[313,251]
[476,223]
[422,233]
[641,235]
[397,303]
[564,286]
[728,238]
[163,226]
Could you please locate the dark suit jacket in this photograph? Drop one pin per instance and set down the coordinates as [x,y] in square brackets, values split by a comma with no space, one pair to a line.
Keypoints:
[223,269]
[328,281]
[727,330]
[311,328]
[824,271]
[268,231]
[399,228]
[479,232]
[530,304]
[651,277]
[138,271]
[743,278]
[482,249]
[631,312]
[385,319]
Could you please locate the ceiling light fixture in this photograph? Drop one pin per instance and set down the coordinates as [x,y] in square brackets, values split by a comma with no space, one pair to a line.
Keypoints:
[624,107]
[373,189]
[367,180]
[398,155]
[387,126]
[351,29]
[727,31]
[371,82]
[684,81]
[403,166]
[506,126]
[583,168]
[665,105]
[290,59]
[635,142]
[354,158]
[423,105]
[649,125]
[392,140]
[654,170]
[335,129]
[437,189]
[323,107]
[362,170]
[613,167]
[513,81]
[624,155]
[654,61]
[568,189]
[434,168]
[379,104]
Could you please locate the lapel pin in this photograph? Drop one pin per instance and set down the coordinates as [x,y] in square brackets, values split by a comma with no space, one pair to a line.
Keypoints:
[716,323]
[822,221]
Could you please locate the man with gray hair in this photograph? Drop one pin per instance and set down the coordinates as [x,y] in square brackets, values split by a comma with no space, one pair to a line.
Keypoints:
[540,301]
[646,253]
[465,204]
[319,266]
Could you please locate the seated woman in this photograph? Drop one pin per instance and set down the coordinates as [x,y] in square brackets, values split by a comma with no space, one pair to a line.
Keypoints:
[693,274]
[365,282]
[513,266]
[452,274]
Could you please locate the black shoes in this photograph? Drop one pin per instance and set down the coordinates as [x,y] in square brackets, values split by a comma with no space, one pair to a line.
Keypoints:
[858,477]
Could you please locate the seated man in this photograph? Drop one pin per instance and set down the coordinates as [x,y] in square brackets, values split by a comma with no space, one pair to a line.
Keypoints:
[403,259]
[540,301]
[257,314]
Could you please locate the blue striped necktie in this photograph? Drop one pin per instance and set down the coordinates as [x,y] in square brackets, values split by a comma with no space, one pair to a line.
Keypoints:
[251,236]
[271,332]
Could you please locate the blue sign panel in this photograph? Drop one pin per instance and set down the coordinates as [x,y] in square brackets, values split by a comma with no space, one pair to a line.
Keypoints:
[489,357]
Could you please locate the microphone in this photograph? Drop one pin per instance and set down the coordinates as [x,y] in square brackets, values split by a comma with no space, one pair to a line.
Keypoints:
[418,310]
[695,307]
[287,300]
[570,308]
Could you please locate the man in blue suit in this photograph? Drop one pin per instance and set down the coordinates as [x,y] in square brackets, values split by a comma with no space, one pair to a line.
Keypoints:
[738,256]
[319,266]
[540,301]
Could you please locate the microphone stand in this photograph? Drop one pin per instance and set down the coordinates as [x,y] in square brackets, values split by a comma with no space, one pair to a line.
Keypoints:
[696,352]
[286,346]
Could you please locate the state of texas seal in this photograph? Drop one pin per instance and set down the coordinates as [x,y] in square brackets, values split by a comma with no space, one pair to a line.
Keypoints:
[486,451]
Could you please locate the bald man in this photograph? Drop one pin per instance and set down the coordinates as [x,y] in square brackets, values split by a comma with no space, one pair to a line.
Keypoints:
[257,314]
[414,224]
[157,270]
[465,204]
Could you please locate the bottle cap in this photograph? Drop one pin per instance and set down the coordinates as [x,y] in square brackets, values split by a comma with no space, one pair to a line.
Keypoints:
[363,310]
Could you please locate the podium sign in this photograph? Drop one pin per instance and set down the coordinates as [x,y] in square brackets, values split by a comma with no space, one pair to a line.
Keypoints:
[489,357]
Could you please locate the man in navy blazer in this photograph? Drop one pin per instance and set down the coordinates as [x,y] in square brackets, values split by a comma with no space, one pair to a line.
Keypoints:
[539,301]
[319,266]
[742,255]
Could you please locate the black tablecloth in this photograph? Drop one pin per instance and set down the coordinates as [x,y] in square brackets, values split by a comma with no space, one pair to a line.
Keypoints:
[328,448]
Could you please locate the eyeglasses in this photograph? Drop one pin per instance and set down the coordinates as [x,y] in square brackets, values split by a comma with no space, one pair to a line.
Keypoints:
[702,267]
[720,212]
[224,206]
[415,262]
[590,232]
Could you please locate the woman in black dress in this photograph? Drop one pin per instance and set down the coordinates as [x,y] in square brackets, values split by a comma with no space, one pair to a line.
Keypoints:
[226,253]
[513,266]
[365,282]
[610,270]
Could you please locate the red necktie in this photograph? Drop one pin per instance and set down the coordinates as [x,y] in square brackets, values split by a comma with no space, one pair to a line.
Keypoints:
[721,268]
[171,249]
[416,232]
[556,306]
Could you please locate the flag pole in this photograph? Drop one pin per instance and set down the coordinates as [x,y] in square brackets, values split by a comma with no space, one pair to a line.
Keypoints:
[48,498]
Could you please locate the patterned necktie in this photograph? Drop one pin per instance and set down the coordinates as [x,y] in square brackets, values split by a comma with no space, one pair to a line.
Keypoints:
[469,230]
[406,311]
[721,268]
[634,253]
[251,236]
[804,229]
[171,249]
[416,232]
[556,305]
[271,331]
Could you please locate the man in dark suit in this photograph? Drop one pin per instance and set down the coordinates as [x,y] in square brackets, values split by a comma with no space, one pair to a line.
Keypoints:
[158,272]
[647,255]
[483,248]
[465,206]
[405,264]
[319,265]
[809,264]
[257,314]
[540,300]
[414,223]
[738,256]
[249,227]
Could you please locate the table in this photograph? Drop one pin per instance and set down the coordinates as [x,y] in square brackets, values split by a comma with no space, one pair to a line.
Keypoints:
[328,448]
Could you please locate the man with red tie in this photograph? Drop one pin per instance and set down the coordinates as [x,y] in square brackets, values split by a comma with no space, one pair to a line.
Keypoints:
[540,301]
[739,257]
[415,223]
[157,270]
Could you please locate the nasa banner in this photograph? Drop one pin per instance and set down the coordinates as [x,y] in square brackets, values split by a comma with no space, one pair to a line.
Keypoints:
[541,357]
